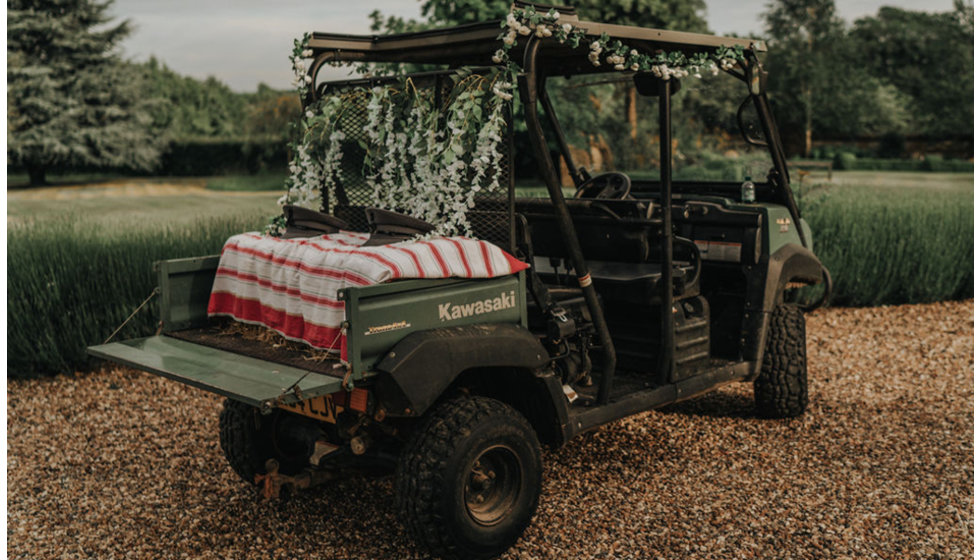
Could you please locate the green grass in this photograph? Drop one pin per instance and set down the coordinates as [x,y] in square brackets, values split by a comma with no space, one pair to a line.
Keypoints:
[267,181]
[77,266]
[893,237]
[114,207]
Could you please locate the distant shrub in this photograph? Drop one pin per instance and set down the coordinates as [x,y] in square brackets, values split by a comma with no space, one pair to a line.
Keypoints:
[845,161]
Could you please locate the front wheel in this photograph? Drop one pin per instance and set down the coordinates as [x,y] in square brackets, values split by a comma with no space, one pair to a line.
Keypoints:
[781,388]
[469,479]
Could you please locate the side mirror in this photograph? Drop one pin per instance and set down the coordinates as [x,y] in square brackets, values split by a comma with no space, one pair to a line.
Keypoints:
[648,84]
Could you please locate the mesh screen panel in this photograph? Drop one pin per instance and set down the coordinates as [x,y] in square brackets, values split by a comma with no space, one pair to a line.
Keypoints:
[491,217]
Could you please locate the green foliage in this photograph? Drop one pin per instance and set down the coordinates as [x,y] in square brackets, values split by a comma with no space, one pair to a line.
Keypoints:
[216,156]
[845,161]
[893,74]
[926,56]
[190,108]
[663,14]
[71,282]
[816,87]
[890,246]
[70,101]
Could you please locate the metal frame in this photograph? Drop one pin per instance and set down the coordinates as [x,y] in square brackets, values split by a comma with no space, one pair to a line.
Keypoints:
[474,44]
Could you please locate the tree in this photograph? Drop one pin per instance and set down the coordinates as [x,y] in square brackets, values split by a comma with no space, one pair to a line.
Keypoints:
[802,34]
[929,58]
[663,14]
[70,100]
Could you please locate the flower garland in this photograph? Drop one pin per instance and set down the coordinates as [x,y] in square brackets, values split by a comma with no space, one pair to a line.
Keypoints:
[430,162]
[430,170]
[615,53]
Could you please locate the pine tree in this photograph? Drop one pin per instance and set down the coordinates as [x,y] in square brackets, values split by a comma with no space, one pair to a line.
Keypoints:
[71,101]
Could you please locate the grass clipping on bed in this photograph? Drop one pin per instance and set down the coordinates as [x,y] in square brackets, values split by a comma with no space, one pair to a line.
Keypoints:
[264,335]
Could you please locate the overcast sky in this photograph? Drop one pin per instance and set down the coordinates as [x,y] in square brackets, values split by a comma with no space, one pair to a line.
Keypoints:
[244,42]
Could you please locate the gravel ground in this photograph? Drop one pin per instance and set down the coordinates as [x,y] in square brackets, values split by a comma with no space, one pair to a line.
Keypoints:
[121,464]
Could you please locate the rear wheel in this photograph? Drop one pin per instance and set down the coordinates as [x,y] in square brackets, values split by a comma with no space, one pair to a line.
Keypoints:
[781,388]
[249,438]
[469,479]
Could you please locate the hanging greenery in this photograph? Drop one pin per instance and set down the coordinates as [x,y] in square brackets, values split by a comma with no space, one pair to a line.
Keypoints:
[428,161]
[432,161]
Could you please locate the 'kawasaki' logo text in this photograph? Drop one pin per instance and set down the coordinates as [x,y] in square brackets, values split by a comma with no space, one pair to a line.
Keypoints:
[448,311]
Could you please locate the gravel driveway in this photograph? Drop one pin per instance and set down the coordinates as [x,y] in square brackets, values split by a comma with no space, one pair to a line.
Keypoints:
[121,464]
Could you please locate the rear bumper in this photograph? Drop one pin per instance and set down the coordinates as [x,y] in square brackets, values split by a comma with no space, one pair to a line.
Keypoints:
[250,380]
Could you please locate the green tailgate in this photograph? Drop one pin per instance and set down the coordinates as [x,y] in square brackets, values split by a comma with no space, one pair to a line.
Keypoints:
[246,379]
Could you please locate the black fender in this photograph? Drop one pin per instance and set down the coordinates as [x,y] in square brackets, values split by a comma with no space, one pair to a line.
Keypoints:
[793,263]
[417,370]
[790,263]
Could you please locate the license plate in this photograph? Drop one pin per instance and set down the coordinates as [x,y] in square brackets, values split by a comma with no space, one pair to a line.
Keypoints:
[322,408]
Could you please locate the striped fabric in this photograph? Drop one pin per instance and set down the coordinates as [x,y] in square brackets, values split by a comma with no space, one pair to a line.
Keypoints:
[290,285]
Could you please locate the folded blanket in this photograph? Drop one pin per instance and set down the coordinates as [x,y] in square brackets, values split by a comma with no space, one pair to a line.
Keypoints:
[290,285]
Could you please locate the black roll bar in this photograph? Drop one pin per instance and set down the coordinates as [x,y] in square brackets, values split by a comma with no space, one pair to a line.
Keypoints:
[528,84]
[667,370]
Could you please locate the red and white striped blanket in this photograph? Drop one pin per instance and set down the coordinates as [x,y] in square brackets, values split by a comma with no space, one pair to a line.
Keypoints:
[290,285]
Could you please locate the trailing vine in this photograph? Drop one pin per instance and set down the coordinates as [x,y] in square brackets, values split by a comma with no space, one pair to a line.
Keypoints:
[427,161]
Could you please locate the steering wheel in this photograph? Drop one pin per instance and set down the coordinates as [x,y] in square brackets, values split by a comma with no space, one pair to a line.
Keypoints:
[614,185]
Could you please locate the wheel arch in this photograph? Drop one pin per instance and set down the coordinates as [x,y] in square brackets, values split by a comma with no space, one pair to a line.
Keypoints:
[501,361]
[539,399]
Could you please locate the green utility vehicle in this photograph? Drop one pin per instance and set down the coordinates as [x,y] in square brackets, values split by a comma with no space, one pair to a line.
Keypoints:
[642,290]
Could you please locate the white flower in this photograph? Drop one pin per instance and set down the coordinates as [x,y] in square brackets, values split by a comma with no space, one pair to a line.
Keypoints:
[512,21]
[633,52]
[634,67]
[498,56]
[306,53]
[309,114]
[619,67]
[510,38]
[595,46]
[566,27]
[524,30]
[307,79]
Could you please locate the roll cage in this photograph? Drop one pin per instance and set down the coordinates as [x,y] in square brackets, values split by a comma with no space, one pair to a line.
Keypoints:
[473,45]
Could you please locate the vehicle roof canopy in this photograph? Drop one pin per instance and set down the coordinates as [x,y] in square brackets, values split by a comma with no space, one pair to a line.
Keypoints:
[474,44]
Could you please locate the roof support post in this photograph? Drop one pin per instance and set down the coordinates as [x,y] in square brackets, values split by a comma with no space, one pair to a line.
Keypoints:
[753,78]
[529,83]
[667,239]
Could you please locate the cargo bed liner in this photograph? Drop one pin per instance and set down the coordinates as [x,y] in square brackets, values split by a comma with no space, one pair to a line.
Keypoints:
[295,354]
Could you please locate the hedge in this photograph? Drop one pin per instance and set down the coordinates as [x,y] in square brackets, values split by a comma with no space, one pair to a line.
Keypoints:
[849,162]
[206,156]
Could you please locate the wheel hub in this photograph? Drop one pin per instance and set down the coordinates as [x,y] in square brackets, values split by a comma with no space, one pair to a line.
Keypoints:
[492,485]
